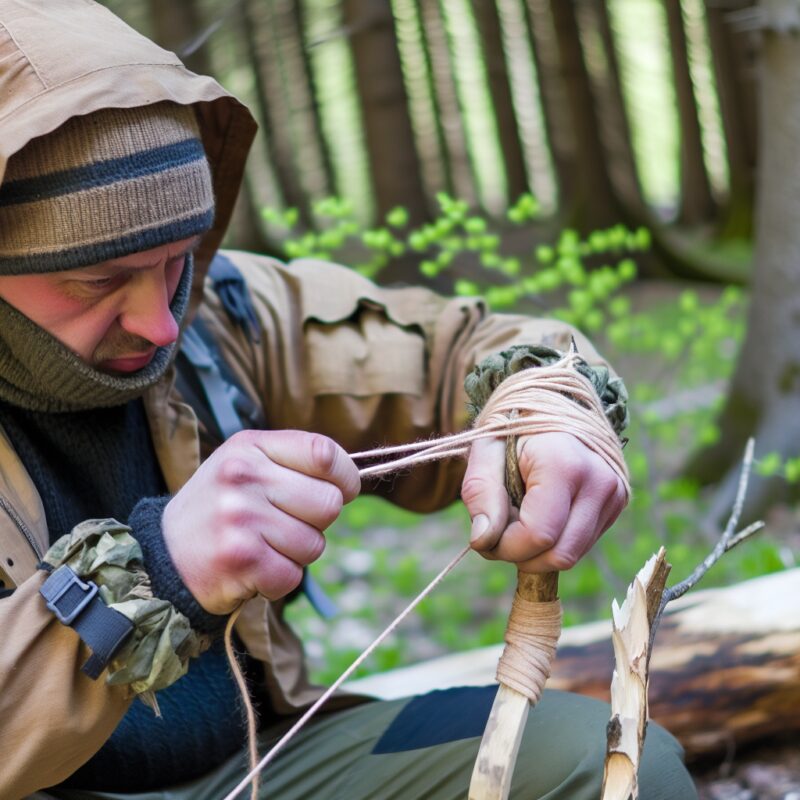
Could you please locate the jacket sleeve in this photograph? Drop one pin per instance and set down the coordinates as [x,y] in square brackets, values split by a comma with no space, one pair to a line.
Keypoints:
[369,365]
[44,754]
[53,720]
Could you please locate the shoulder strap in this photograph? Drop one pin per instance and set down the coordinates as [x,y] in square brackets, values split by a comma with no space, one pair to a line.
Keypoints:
[204,379]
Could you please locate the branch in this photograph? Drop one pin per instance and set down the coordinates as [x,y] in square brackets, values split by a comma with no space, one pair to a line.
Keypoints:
[634,629]
[729,539]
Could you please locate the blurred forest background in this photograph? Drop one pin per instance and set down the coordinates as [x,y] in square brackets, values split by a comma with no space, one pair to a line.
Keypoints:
[627,165]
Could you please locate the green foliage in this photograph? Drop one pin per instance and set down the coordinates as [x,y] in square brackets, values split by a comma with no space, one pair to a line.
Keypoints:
[675,348]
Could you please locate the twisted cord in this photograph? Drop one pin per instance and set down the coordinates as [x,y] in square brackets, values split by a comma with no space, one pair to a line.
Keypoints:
[544,399]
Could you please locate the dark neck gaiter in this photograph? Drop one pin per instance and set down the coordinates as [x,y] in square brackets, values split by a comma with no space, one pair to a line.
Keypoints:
[39,373]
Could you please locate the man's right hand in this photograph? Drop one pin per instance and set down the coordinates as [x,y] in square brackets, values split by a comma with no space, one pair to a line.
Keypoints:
[252,516]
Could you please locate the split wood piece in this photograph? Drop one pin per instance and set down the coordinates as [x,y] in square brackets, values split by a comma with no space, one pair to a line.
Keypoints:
[725,671]
[494,766]
[634,631]
[629,685]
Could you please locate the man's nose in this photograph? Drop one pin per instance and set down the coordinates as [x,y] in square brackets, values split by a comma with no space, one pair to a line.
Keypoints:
[146,311]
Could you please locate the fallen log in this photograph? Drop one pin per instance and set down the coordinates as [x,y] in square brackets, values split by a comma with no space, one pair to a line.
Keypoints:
[725,669]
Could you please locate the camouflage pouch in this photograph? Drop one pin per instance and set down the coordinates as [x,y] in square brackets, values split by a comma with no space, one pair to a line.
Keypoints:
[158,650]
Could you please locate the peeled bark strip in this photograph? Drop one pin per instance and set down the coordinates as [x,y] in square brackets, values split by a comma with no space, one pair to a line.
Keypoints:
[631,639]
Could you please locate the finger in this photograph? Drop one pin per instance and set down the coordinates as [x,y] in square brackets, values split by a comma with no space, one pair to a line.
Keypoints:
[295,540]
[311,500]
[542,517]
[580,532]
[244,565]
[484,493]
[613,507]
[592,513]
[276,575]
[310,454]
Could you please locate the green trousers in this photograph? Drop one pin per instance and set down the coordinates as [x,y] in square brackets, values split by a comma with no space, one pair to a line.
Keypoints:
[424,748]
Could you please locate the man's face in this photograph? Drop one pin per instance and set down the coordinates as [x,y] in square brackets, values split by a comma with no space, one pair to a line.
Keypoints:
[112,315]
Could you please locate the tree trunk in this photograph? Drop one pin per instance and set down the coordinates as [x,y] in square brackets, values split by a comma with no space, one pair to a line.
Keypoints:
[258,22]
[491,33]
[697,203]
[614,128]
[736,91]
[594,203]
[457,154]
[764,399]
[393,160]
[314,156]
[555,106]
[425,110]
[174,25]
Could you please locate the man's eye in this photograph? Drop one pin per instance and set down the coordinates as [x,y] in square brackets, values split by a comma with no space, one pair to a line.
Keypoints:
[89,287]
[97,283]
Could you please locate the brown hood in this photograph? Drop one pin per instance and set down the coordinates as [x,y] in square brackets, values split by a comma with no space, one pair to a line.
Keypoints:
[71,57]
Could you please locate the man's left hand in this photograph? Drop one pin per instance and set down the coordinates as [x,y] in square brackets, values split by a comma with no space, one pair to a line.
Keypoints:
[571,497]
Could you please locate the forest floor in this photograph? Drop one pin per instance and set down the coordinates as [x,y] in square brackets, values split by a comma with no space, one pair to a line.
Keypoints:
[769,771]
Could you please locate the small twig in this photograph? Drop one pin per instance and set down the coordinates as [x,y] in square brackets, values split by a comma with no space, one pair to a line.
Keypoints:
[729,539]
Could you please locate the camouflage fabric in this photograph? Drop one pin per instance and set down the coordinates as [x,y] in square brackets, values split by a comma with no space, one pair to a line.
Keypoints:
[156,654]
[493,370]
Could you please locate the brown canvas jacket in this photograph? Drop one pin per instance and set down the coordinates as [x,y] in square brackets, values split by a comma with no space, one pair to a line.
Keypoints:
[338,355]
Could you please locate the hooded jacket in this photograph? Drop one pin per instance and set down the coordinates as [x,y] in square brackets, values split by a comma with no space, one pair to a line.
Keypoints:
[337,355]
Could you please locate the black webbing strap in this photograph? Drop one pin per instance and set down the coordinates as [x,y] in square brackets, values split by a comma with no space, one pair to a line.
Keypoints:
[220,395]
[77,604]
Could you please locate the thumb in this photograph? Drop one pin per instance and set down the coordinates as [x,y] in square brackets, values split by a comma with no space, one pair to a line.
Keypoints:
[484,493]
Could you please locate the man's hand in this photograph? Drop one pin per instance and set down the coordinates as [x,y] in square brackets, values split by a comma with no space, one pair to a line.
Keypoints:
[571,497]
[252,516]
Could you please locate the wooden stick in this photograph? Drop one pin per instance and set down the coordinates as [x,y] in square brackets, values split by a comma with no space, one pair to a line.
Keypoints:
[494,766]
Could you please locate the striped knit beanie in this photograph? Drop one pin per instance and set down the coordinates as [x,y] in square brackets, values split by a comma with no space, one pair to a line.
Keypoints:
[102,186]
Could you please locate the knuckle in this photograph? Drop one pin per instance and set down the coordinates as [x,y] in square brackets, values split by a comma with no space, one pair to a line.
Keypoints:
[609,485]
[234,555]
[473,487]
[234,471]
[574,467]
[542,538]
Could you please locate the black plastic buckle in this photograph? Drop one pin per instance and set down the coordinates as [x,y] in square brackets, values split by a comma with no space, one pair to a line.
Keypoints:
[65,588]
